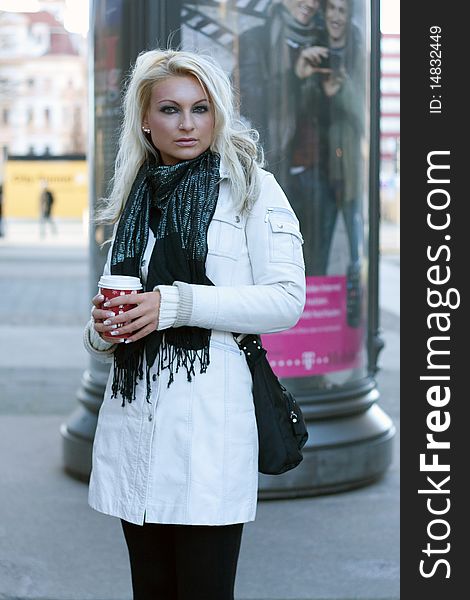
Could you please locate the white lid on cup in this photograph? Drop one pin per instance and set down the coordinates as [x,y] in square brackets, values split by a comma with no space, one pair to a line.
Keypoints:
[119,282]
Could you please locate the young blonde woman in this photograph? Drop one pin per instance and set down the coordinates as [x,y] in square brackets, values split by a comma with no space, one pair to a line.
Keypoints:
[218,249]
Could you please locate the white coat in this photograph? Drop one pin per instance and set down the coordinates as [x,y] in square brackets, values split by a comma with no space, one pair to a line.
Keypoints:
[190,456]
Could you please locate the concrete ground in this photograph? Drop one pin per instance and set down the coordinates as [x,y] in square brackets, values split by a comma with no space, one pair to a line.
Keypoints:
[54,547]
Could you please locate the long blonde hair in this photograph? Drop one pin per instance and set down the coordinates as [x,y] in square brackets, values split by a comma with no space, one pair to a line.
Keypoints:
[236,144]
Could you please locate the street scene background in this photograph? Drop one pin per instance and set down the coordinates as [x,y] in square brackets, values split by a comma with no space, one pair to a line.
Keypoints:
[341,546]
[54,547]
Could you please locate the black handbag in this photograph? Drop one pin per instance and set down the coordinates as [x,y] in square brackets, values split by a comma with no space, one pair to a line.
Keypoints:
[281,427]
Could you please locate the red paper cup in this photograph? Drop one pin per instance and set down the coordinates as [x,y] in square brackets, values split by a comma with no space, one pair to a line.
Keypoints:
[112,286]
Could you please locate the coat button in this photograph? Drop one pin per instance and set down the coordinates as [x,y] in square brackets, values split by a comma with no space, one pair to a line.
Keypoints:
[154,377]
[150,417]
[237,219]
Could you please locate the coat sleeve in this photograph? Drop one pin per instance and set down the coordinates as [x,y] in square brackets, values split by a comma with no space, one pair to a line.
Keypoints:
[276,298]
[94,344]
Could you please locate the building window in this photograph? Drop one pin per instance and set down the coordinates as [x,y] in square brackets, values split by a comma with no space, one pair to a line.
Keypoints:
[29,116]
[47,116]
[5,152]
[5,116]
[7,41]
[30,82]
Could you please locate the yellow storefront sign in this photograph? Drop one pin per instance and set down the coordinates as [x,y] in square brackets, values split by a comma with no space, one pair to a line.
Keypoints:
[67,180]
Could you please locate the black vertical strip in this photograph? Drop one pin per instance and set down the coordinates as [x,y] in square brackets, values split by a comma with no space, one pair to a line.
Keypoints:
[434,258]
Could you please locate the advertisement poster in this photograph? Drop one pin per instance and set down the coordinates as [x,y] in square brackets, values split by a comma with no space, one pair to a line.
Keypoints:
[312,126]
[322,341]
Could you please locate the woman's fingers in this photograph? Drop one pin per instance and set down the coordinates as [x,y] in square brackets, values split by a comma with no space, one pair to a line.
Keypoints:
[125,299]
[105,331]
[98,300]
[131,326]
[315,53]
[309,60]
[140,334]
[143,318]
[100,315]
[110,339]
[139,321]
[147,305]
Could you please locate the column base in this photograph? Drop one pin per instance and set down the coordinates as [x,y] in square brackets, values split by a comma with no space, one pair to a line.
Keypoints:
[76,450]
[78,431]
[341,454]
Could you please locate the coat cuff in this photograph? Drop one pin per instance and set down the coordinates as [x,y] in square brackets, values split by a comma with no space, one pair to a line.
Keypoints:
[169,303]
[97,347]
[185,305]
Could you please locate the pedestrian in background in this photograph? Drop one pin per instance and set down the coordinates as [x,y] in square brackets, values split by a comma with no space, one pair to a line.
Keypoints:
[218,249]
[46,202]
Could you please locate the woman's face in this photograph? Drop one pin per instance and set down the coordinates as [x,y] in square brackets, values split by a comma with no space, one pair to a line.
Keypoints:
[303,11]
[180,118]
[336,19]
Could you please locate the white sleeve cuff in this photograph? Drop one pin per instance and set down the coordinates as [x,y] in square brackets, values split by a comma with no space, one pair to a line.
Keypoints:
[96,346]
[169,302]
[185,306]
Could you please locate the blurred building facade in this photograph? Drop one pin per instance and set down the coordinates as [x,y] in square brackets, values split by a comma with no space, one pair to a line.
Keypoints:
[390,127]
[43,86]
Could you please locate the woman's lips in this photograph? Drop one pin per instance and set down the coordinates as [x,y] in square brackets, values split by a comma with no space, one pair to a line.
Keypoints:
[186,142]
[335,25]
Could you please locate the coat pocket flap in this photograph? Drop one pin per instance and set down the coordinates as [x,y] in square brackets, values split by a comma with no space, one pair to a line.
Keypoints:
[280,225]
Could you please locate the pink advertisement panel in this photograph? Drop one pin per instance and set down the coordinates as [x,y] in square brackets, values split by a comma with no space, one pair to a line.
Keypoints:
[322,341]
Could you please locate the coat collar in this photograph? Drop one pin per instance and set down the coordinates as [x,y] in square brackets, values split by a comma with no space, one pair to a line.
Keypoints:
[223,170]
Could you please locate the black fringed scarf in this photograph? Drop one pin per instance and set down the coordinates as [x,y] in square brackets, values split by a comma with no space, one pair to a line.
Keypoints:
[185,195]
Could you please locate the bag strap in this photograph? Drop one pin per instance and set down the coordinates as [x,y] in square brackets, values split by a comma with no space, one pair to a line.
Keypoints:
[251,346]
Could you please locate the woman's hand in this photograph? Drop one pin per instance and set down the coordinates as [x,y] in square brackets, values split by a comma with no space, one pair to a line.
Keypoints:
[308,61]
[99,315]
[333,83]
[138,321]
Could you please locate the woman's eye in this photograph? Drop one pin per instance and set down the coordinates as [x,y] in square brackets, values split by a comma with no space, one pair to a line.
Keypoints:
[201,109]
[169,110]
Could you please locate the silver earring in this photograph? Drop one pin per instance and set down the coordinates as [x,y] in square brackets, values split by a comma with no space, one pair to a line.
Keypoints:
[145,129]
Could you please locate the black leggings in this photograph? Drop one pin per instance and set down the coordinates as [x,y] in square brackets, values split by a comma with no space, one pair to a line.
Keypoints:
[183,562]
